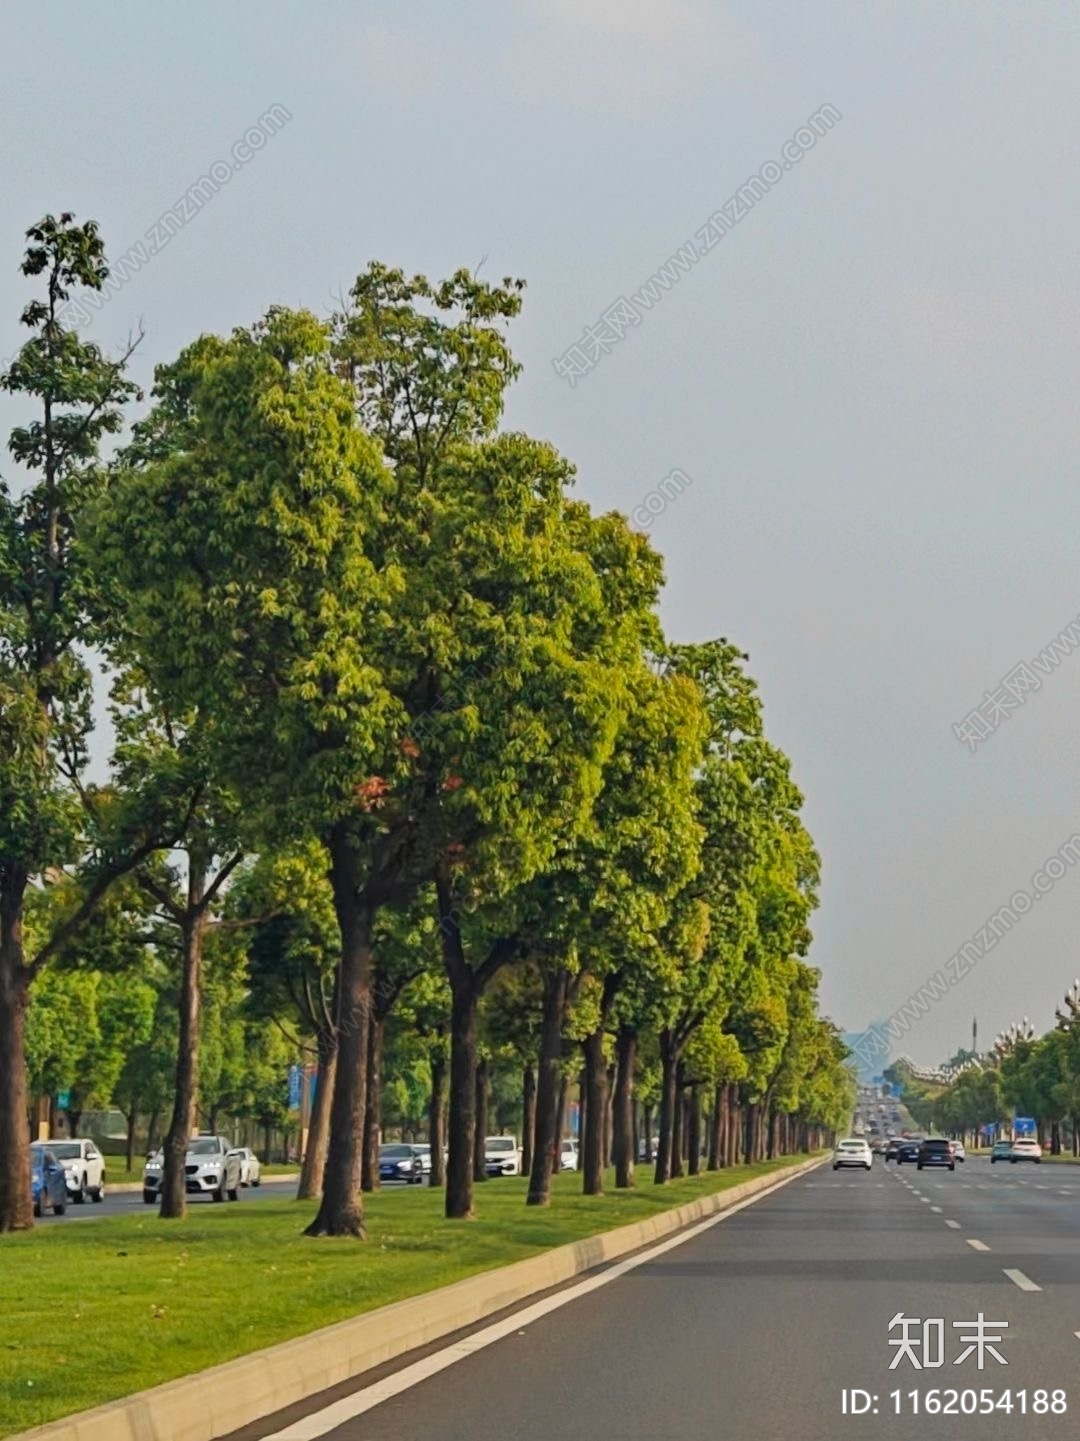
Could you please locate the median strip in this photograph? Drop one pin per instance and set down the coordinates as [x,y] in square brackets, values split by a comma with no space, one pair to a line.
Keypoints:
[228,1396]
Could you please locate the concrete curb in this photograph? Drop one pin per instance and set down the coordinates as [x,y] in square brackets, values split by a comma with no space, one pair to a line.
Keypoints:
[213,1403]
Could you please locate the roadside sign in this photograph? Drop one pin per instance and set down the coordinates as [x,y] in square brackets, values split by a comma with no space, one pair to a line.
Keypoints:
[1023,1125]
[63,1100]
[296,1082]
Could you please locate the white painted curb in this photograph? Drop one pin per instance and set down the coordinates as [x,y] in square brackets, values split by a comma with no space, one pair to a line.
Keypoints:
[213,1403]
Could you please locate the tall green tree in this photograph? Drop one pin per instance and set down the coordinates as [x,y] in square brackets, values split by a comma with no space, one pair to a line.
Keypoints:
[45,683]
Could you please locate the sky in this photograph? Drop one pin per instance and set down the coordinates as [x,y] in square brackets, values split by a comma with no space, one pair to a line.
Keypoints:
[869,383]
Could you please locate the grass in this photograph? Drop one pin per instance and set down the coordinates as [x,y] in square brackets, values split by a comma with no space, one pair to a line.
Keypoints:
[92,1312]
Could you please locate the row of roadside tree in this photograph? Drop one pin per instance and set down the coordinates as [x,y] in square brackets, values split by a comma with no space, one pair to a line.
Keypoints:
[400,766]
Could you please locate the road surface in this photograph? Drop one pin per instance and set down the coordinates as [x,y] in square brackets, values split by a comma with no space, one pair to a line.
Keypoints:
[125,1202]
[753,1328]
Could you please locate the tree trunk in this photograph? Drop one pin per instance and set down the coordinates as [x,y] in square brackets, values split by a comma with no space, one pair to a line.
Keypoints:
[16,1207]
[556,991]
[182,1123]
[609,1102]
[131,1117]
[716,1130]
[437,1119]
[313,1164]
[678,1126]
[369,1172]
[647,1125]
[561,1124]
[481,1128]
[694,1130]
[669,1096]
[341,1209]
[528,1118]
[462,1127]
[592,1144]
[624,1114]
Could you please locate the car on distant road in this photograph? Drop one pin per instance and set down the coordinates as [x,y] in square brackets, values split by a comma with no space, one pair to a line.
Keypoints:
[400,1161]
[908,1150]
[936,1151]
[892,1147]
[853,1152]
[1000,1151]
[568,1156]
[211,1168]
[424,1152]
[1025,1149]
[84,1168]
[48,1185]
[501,1156]
[250,1166]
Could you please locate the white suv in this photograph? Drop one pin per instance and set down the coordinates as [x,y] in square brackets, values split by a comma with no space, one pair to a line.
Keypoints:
[84,1168]
[211,1168]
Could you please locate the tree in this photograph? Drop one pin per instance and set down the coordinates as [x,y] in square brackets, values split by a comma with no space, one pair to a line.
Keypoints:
[252,476]
[44,680]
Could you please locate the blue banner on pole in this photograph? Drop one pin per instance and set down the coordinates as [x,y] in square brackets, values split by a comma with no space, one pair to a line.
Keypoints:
[296,1082]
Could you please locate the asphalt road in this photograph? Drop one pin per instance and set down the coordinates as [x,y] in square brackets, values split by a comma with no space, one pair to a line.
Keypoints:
[754,1328]
[125,1202]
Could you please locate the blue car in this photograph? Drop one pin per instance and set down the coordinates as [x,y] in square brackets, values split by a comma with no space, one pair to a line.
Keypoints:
[48,1185]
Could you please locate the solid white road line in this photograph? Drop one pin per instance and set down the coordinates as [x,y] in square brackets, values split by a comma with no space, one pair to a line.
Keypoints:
[954,1224]
[978,1245]
[1019,1279]
[330,1417]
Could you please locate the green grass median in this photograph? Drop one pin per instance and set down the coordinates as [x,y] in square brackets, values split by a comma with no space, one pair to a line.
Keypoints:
[93,1311]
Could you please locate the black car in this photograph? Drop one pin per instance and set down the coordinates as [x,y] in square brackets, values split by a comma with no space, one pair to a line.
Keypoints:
[907,1151]
[401,1162]
[936,1151]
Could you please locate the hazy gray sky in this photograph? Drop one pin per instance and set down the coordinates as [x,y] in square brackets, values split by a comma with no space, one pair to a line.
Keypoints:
[871,382]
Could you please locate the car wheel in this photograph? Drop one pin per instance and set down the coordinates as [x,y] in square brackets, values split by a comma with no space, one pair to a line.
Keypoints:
[836,1166]
[59,1207]
[868,1165]
[149,1197]
[37,1208]
[918,1166]
[953,1166]
[234,1194]
[99,1194]
[219,1194]
[1012,1160]
[257,1181]
[80,1195]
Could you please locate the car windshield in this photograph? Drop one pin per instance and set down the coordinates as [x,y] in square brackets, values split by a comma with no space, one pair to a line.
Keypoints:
[66,1150]
[500,1143]
[204,1146]
[394,1153]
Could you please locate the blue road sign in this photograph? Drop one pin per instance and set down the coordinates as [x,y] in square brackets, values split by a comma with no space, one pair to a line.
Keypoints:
[296,1082]
[1023,1125]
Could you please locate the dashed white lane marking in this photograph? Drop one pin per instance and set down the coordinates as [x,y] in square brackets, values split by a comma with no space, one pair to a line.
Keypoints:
[1025,1283]
[329,1418]
[978,1245]
[954,1224]
[925,1200]
[936,1210]
[1041,1188]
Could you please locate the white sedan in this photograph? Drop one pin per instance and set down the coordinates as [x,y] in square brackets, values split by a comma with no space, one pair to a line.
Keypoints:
[250,1166]
[1025,1150]
[853,1152]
